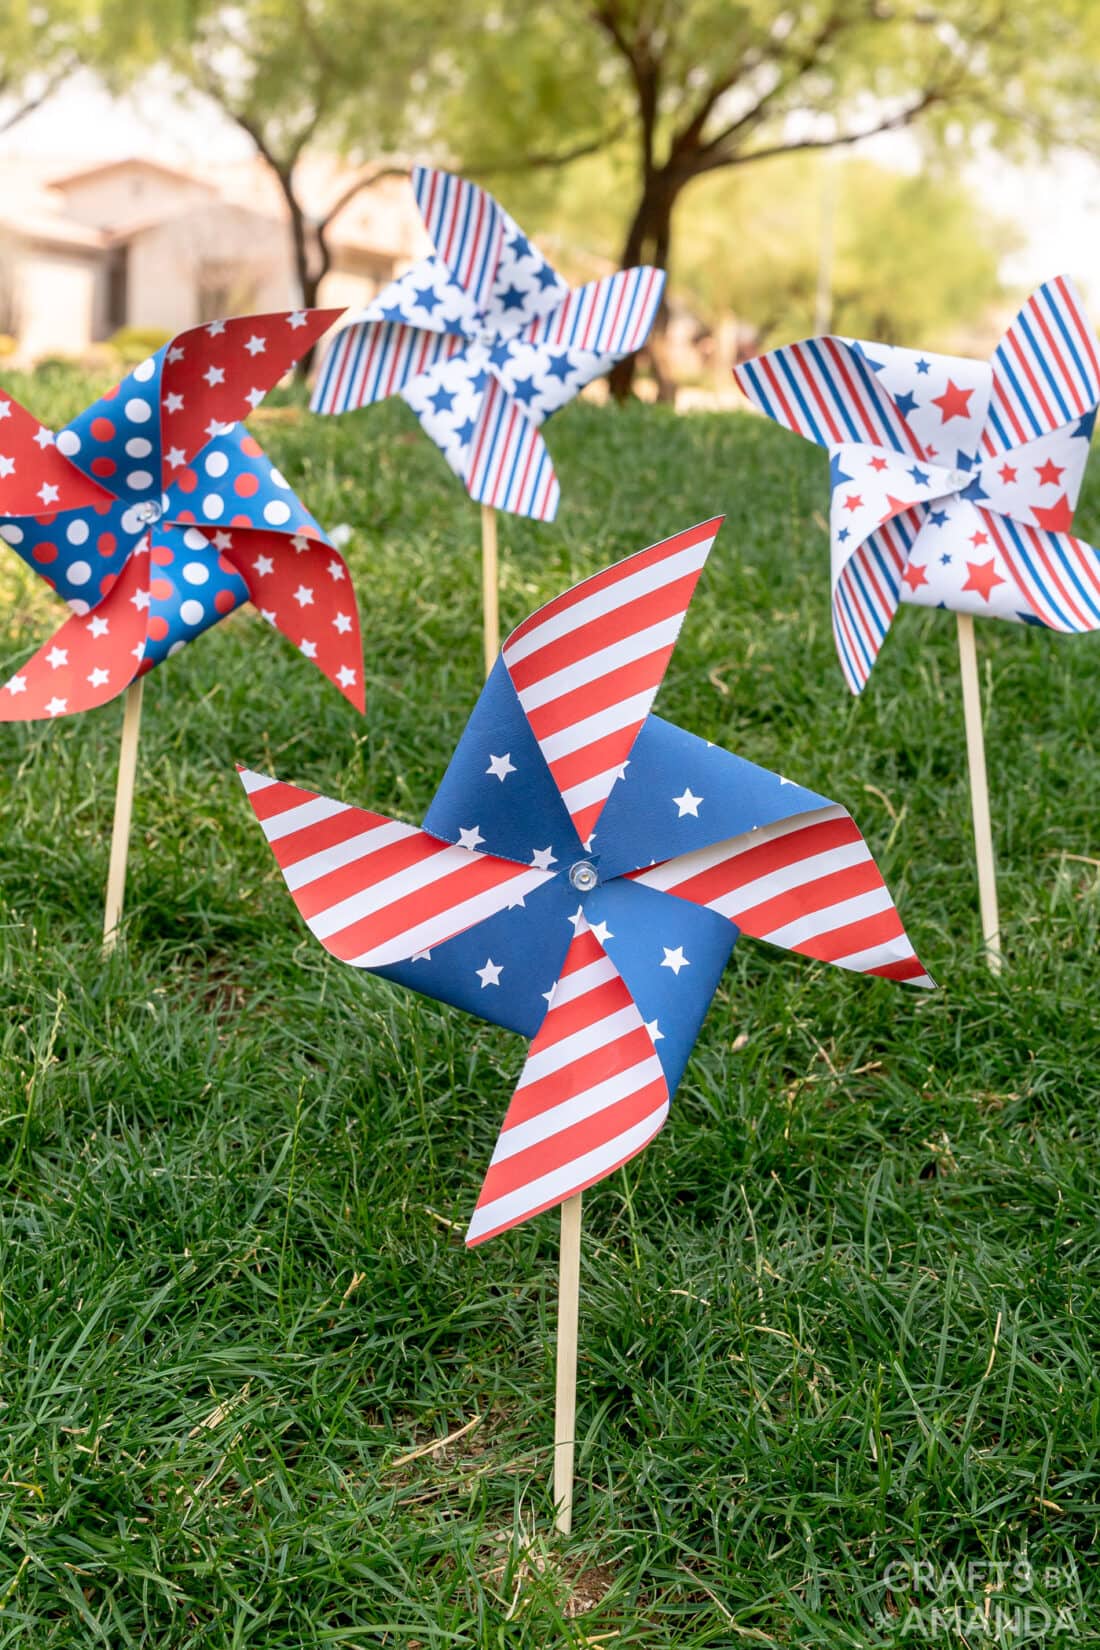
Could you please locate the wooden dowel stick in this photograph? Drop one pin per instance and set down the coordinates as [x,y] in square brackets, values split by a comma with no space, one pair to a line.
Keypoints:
[124,805]
[490,599]
[565,1401]
[979,792]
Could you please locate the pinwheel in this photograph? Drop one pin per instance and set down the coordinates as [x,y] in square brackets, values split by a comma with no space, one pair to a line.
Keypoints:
[484,340]
[155,514]
[581,877]
[953,484]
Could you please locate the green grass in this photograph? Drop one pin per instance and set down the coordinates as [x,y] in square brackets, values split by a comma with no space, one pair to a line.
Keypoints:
[842,1315]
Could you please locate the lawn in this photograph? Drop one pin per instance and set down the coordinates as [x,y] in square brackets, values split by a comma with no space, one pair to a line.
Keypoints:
[841,1318]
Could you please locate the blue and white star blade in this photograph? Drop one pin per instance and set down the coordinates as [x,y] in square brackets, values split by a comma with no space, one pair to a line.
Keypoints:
[670,953]
[426,297]
[806,883]
[448,398]
[498,785]
[370,360]
[1046,372]
[466,227]
[524,286]
[375,891]
[827,391]
[1038,483]
[677,793]
[507,463]
[581,340]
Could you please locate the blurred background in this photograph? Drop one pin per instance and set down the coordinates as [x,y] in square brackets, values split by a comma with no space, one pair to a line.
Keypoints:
[890,168]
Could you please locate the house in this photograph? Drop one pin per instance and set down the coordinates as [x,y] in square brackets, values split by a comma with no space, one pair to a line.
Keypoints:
[135,243]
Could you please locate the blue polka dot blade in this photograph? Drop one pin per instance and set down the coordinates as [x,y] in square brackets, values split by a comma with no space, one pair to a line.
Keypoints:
[484,340]
[155,514]
[582,876]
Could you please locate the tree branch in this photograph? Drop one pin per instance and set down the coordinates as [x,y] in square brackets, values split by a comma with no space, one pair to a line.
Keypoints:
[35,101]
[843,140]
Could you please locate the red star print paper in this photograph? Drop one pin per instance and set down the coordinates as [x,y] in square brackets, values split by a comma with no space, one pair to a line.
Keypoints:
[154,514]
[953,481]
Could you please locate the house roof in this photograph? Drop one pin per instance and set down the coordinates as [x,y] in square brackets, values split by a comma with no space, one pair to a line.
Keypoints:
[131,163]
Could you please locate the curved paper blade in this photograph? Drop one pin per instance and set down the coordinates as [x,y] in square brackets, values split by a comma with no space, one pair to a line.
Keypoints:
[591,1095]
[35,474]
[466,227]
[304,589]
[79,553]
[1046,372]
[373,890]
[524,287]
[807,883]
[233,483]
[498,784]
[680,793]
[610,317]
[371,359]
[91,659]
[1057,576]
[826,389]
[171,404]
[587,666]
[191,587]
[943,398]
[670,953]
[507,464]
[1038,483]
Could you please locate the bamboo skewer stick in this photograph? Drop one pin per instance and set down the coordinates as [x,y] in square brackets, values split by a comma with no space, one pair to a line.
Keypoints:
[490,589]
[124,805]
[565,1399]
[979,792]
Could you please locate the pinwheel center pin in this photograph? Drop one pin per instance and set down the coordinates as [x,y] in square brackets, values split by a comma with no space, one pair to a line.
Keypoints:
[150,512]
[583,876]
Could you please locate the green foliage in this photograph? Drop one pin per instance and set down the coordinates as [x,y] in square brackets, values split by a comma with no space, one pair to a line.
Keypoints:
[912,256]
[842,1314]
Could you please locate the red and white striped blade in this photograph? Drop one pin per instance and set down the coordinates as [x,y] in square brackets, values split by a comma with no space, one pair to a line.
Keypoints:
[592,1094]
[91,659]
[508,465]
[372,890]
[808,884]
[1046,369]
[587,666]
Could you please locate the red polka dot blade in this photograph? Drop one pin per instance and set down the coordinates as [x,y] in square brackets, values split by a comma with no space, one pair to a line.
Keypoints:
[222,508]
[953,481]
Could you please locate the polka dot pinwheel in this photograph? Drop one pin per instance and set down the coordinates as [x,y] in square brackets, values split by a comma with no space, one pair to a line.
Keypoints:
[953,481]
[582,876]
[154,514]
[484,340]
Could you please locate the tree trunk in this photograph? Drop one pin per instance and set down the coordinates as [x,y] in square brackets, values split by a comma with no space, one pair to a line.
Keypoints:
[308,272]
[648,240]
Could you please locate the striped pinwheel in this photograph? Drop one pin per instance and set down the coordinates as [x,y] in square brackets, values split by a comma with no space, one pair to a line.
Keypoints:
[581,878]
[953,481]
[484,341]
[155,514]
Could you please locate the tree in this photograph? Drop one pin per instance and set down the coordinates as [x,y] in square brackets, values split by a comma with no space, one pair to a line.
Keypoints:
[709,85]
[39,47]
[342,76]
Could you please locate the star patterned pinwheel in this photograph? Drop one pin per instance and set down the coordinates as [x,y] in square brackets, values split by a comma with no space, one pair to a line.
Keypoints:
[155,514]
[582,875]
[953,481]
[484,341]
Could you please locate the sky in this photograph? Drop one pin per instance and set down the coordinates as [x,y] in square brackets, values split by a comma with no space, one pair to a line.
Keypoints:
[1056,206]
